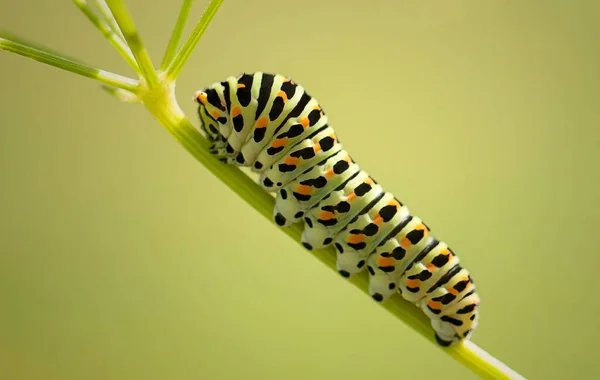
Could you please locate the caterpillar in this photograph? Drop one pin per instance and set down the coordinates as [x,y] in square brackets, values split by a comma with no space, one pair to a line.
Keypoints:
[269,123]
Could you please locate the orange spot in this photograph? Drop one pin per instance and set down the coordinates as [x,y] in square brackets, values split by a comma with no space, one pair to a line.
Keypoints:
[304,189]
[317,147]
[305,122]
[412,283]
[354,239]
[351,197]
[282,95]
[394,203]
[316,108]
[377,219]
[279,142]
[326,215]
[236,111]
[329,173]
[201,97]
[291,160]
[385,261]
[241,85]
[405,243]
[453,291]
[262,122]
[420,227]
[431,267]
[434,305]
[446,252]
[215,115]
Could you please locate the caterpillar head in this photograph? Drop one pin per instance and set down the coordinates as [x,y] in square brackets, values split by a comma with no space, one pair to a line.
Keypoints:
[212,112]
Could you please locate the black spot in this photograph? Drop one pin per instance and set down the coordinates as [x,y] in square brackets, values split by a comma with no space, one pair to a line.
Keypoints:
[440,260]
[377,297]
[451,320]
[299,215]
[472,317]
[283,194]
[276,108]
[442,342]
[243,93]
[387,212]
[304,153]
[285,168]
[301,197]
[362,189]
[391,286]
[294,131]
[434,311]
[279,183]
[314,116]
[238,123]
[339,247]
[467,309]
[399,253]
[271,151]
[267,182]
[446,298]
[307,246]
[258,165]
[319,182]
[340,167]
[424,275]
[328,222]
[387,269]
[358,246]
[360,264]
[342,207]
[240,158]
[289,89]
[413,290]
[344,273]
[222,120]
[308,222]
[213,129]
[279,219]
[461,285]
[229,149]
[370,269]
[415,236]
[259,134]
[327,241]
[371,229]
[326,143]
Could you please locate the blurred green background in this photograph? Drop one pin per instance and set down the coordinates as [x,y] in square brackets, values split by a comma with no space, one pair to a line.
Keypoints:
[117,261]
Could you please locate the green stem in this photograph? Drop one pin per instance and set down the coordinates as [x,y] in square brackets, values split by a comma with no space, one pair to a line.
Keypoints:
[125,22]
[68,64]
[109,18]
[176,35]
[108,33]
[172,72]
[165,109]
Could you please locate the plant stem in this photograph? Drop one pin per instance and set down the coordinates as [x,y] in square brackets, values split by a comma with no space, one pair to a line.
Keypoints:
[109,18]
[172,72]
[125,22]
[176,35]
[108,33]
[165,109]
[68,64]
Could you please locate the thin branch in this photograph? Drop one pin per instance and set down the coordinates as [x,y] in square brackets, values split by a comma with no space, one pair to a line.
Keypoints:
[176,35]
[125,22]
[186,50]
[68,64]
[108,17]
[108,33]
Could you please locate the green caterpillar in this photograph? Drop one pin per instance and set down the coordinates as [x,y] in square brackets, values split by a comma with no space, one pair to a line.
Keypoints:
[271,124]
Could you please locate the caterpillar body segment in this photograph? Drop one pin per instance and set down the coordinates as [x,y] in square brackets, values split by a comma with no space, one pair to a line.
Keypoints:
[271,124]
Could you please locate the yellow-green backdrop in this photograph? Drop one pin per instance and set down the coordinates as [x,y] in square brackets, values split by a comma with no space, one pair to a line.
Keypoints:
[123,258]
